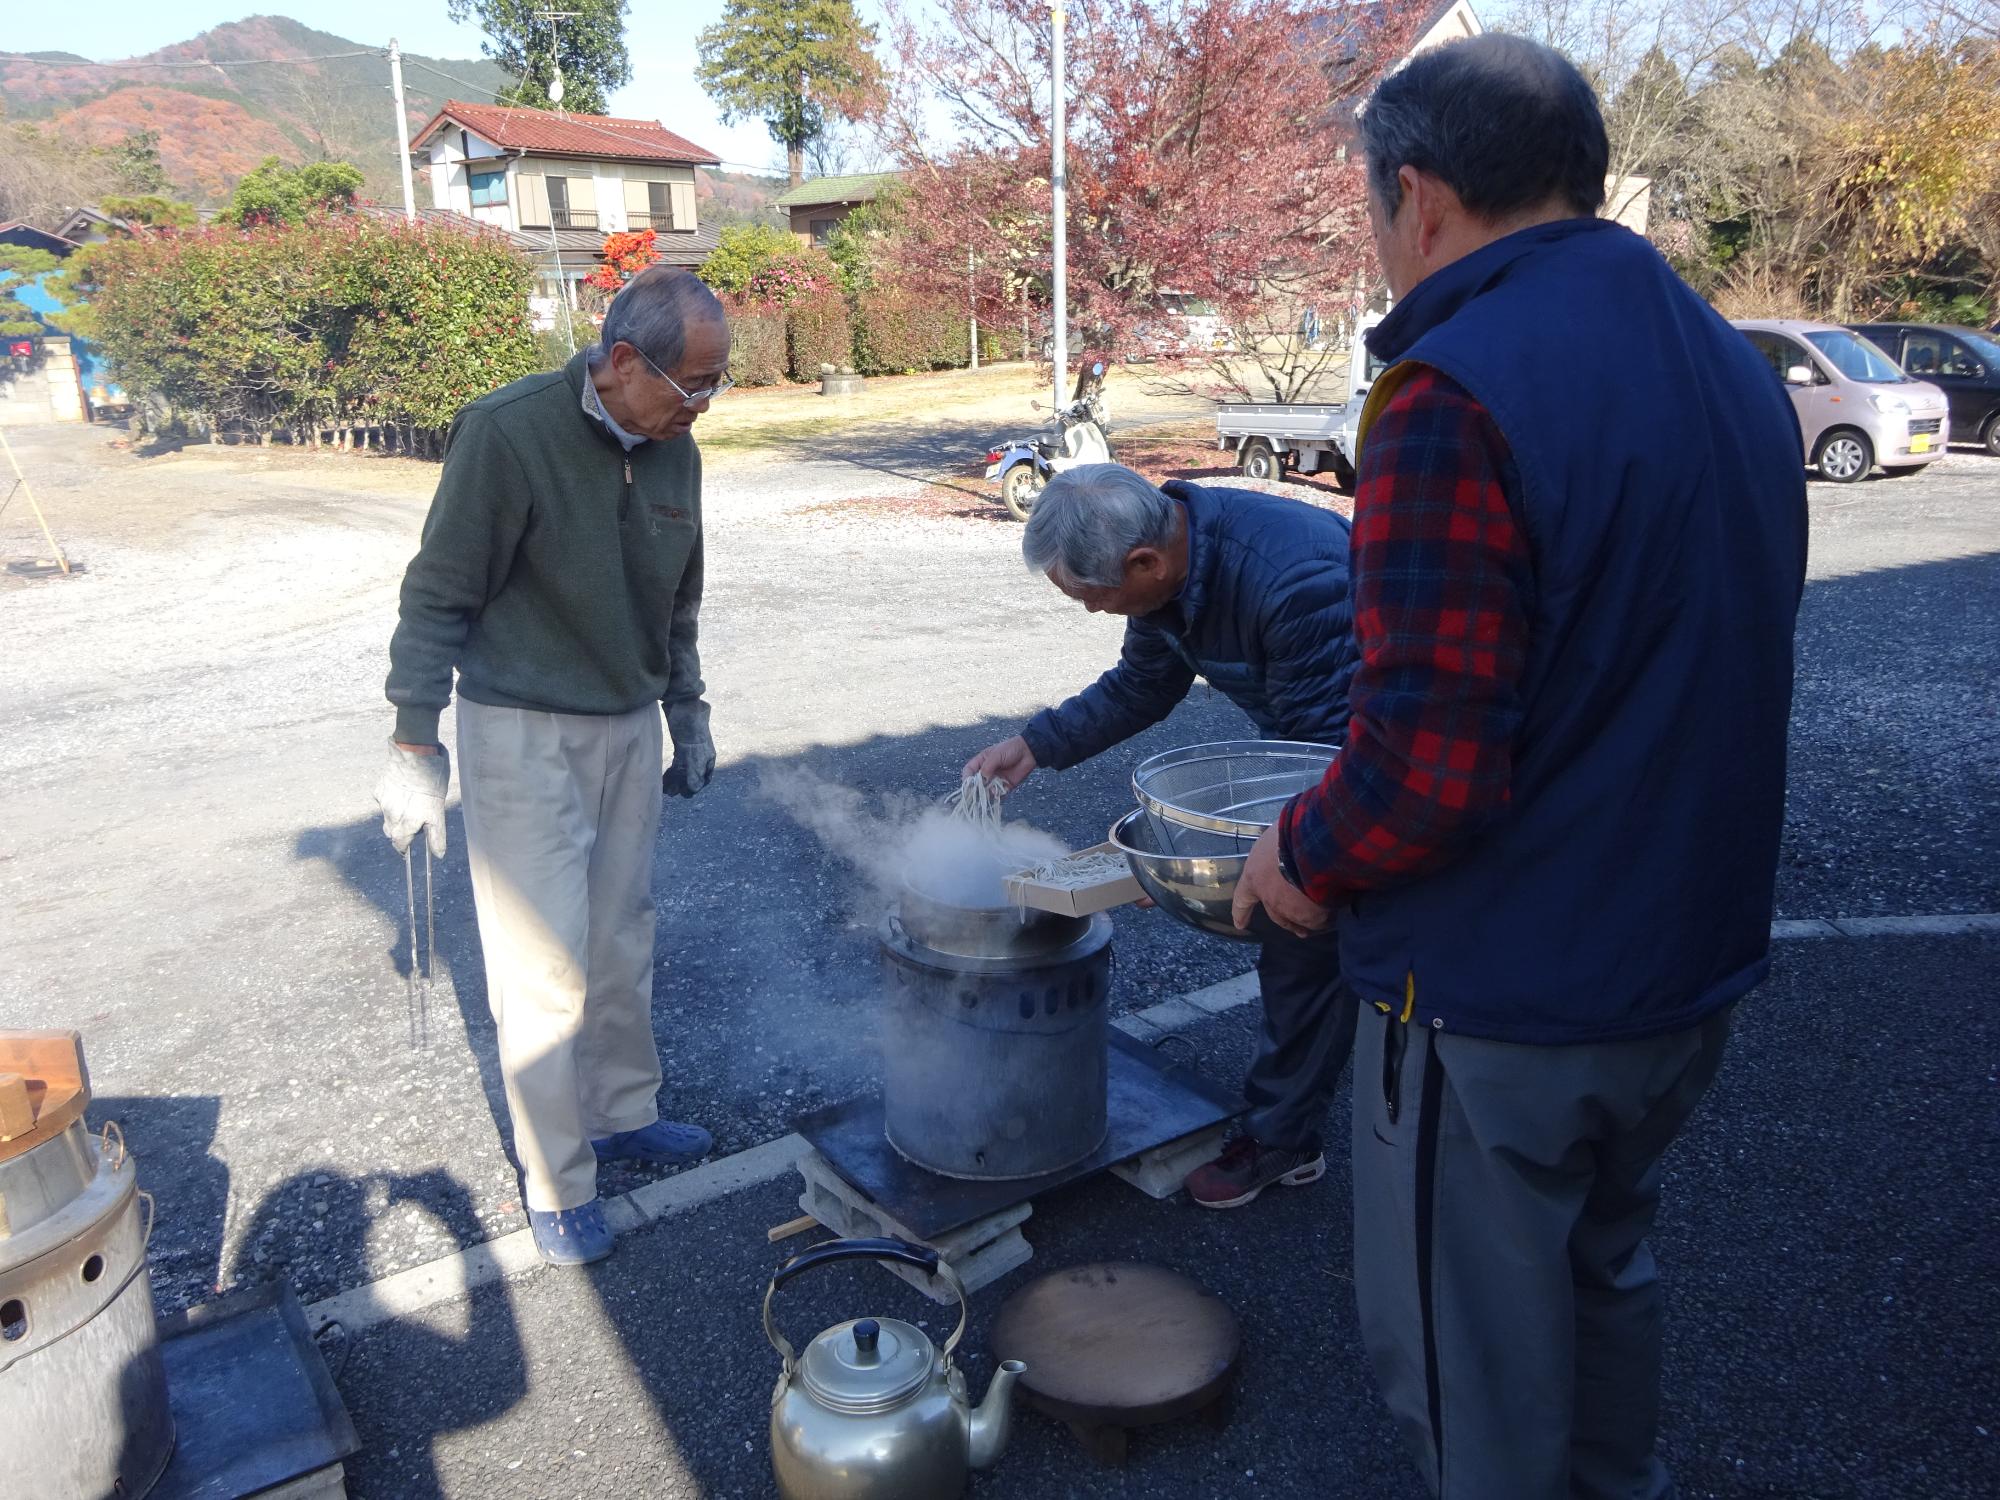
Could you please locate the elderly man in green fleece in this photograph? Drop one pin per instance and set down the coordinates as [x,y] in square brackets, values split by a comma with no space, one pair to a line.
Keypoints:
[560,577]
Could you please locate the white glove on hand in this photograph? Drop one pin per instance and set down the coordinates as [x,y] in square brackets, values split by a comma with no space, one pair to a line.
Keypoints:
[411,796]
[694,750]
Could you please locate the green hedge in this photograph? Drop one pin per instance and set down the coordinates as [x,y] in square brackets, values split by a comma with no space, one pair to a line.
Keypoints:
[896,332]
[756,343]
[343,322]
[817,333]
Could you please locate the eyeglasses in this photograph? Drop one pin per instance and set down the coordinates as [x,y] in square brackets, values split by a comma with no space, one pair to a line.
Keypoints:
[688,397]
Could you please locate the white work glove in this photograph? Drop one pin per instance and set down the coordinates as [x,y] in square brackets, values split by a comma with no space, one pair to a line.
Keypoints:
[694,750]
[411,796]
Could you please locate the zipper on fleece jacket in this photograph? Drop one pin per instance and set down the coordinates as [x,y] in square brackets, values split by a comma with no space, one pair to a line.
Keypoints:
[625,500]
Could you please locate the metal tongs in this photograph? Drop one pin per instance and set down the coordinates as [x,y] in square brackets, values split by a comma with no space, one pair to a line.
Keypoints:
[419,993]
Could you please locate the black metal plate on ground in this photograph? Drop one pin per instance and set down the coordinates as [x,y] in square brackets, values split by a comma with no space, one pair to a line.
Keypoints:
[1152,1100]
[252,1401]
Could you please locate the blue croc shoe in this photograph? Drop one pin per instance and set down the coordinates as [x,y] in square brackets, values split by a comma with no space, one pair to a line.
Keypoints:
[571,1236]
[663,1142]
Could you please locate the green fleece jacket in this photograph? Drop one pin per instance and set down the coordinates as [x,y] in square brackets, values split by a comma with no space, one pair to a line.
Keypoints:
[557,572]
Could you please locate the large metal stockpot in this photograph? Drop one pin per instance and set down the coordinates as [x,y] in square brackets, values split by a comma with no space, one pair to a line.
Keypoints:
[83,1394]
[994,1037]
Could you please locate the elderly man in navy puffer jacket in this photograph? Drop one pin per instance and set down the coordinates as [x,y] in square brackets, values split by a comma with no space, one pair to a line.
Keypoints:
[1249,591]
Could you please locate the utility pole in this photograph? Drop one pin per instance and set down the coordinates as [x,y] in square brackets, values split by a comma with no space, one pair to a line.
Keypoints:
[972,301]
[402,131]
[1058,181]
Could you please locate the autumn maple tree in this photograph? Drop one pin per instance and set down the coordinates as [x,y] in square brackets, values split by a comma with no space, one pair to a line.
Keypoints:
[1206,159]
[625,256]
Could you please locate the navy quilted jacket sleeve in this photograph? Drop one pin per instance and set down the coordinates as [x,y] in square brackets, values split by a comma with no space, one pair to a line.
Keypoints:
[1265,617]
[1150,678]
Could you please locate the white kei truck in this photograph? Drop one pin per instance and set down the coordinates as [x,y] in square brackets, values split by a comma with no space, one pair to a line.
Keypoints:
[1309,438]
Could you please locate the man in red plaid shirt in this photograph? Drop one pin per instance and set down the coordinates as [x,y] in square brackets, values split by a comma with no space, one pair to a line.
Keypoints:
[1552,834]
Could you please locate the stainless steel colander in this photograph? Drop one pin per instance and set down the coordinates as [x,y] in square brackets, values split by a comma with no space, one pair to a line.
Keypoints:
[1207,800]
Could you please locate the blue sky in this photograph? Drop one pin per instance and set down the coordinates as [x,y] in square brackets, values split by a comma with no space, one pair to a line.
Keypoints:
[659,33]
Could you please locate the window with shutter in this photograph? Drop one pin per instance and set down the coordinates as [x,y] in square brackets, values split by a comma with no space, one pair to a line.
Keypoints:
[534,191]
[680,204]
[582,202]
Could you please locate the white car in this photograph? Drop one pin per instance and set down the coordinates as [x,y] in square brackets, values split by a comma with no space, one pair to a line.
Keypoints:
[1856,409]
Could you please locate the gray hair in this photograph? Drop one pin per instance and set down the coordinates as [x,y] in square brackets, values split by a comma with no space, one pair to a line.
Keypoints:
[1507,123]
[652,313]
[1089,519]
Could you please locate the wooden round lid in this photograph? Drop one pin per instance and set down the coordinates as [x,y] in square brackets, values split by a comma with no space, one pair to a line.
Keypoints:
[43,1088]
[1119,1343]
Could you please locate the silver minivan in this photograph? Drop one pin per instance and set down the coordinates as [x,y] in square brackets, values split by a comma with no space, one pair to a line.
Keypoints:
[1856,409]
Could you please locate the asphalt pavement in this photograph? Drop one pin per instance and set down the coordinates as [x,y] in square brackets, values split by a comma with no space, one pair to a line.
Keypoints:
[194,878]
[1826,1244]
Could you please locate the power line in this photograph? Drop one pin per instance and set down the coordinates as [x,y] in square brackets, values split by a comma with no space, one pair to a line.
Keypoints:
[196,62]
[411,62]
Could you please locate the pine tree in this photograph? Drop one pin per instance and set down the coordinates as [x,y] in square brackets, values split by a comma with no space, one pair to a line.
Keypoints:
[793,64]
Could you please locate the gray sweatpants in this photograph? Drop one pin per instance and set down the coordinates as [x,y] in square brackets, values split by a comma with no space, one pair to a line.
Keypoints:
[1305,1033]
[1509,1302]
[561,814]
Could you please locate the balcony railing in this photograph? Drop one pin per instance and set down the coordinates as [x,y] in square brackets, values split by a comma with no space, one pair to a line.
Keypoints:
[574,218]
[649,221]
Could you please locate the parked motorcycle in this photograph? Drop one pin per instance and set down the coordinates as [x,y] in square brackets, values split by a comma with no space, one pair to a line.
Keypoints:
[1025,465]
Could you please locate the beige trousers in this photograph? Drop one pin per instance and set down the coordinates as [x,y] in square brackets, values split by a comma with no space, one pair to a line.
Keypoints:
[561,814]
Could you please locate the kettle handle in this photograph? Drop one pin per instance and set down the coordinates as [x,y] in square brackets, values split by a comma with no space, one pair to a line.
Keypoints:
[923,1257]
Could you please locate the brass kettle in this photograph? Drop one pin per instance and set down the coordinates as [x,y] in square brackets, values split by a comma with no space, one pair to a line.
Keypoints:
[871,1409]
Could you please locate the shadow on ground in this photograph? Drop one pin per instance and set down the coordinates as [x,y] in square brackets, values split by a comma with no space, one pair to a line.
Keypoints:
[1824,1243]
[1827,1244]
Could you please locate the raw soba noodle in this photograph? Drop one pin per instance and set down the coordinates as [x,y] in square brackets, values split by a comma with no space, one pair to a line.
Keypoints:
[1079,872]
[977,800]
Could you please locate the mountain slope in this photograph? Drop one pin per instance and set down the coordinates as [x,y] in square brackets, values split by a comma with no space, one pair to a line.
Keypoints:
[216,123]
[212,119]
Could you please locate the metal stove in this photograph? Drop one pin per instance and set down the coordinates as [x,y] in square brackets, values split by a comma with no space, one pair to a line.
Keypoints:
[1002,1078]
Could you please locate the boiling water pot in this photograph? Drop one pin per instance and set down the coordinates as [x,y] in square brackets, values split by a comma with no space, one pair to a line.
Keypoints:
[871,1409]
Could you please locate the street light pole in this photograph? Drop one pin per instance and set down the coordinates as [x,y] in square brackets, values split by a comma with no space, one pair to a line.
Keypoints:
[402,131]
[972,302]
[1058,181]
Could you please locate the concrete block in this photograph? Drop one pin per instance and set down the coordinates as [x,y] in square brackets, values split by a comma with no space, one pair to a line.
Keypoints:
[980,1252]
[1160,1172]
[1807,927]
[1138,1028]
[1227,995]
[329,1483]
[1173,1015]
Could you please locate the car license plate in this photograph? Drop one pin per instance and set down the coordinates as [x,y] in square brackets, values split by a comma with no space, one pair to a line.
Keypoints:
[1920,443]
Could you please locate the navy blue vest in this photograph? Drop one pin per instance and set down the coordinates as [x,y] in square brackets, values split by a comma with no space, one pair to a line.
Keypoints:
[1627,890]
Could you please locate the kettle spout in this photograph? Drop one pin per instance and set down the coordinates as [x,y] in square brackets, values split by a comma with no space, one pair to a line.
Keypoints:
[994,1417]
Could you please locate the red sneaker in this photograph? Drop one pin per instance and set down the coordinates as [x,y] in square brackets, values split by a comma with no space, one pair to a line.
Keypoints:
[1245,1168]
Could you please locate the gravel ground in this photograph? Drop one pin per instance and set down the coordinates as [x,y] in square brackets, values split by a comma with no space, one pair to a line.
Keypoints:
[195,880]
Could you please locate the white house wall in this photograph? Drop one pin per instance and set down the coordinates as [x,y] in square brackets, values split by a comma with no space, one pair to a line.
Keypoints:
[1454,25]
[451,187]
[607,180]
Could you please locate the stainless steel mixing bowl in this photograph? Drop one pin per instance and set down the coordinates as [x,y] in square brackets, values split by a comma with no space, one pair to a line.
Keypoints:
[1196,886]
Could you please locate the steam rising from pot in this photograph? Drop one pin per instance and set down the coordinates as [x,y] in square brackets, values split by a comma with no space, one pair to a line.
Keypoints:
[953,858]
